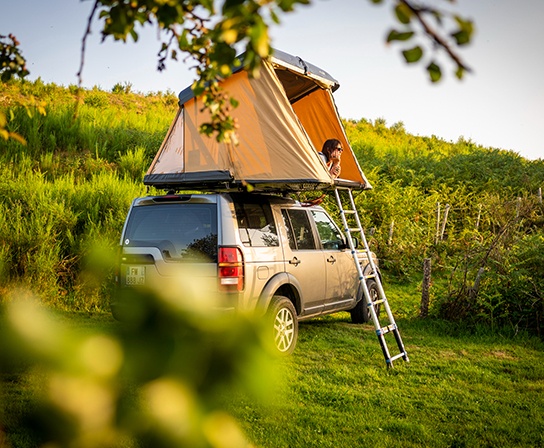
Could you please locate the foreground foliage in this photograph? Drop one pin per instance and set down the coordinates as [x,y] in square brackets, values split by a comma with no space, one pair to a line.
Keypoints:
[151,381]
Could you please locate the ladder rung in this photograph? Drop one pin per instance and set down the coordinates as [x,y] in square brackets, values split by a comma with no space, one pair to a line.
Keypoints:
[377,302]
[355,229]
[385,330]
[363,255]
[369,276]
[400,355]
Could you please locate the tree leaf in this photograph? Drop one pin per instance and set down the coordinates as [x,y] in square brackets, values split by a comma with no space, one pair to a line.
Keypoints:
[466,28]
[459,72]
[438,16]
[399,35]
[434,72]
[413,54]
[461,37]
[403,13]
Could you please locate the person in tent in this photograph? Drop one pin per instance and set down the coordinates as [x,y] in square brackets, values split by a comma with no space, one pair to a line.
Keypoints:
[330,154]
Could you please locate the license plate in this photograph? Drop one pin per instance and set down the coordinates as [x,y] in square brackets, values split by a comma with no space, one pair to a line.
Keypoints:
[135,275]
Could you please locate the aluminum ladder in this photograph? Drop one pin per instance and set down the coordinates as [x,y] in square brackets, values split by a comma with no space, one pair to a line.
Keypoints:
[352,224]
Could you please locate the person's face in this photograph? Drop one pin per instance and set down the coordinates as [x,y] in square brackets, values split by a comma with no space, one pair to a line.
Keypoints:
[337,152]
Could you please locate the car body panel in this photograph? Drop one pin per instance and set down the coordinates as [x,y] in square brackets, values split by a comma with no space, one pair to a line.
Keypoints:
[287,249]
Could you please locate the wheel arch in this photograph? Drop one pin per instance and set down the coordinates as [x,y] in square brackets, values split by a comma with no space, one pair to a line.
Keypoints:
[281,284]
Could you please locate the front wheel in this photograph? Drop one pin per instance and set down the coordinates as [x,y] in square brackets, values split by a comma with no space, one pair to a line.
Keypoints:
[360,314]
[282,319]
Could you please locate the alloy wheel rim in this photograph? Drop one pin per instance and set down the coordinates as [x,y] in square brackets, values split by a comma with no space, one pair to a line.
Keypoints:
[284,330]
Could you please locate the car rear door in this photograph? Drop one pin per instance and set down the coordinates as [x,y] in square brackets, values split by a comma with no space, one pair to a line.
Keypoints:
[304,260]
[341,272]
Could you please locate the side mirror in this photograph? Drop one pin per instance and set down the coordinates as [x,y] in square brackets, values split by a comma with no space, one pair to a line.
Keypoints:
[355,241]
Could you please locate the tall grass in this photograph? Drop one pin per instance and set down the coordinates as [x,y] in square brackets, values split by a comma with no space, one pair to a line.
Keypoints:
[47,228]
[72,183]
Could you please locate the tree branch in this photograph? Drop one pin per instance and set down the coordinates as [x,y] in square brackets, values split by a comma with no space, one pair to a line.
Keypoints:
[84,43]
[436,37]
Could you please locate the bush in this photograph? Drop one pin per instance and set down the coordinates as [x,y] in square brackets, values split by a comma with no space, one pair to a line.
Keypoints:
[48,227]
[134,163]
[518,287]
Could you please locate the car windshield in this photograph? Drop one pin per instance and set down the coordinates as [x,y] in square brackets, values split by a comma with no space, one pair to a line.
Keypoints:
[182,232]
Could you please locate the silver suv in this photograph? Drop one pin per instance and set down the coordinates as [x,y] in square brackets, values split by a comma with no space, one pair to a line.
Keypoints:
[268,253]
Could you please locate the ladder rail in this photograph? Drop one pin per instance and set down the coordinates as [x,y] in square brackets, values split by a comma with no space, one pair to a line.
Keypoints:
[370,303]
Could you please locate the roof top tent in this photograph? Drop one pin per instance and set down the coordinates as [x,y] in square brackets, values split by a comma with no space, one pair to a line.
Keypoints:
[284,116]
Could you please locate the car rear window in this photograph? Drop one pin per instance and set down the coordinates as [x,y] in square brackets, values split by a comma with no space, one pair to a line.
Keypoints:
[182,232]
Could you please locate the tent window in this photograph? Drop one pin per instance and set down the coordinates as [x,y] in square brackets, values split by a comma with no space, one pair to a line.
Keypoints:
[295,86]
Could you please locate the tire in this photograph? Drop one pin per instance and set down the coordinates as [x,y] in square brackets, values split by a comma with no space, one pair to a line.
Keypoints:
[360,314]
[283,324]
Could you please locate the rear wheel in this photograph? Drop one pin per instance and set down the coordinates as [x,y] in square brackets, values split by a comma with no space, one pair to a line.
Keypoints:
[360,314]
[282,318]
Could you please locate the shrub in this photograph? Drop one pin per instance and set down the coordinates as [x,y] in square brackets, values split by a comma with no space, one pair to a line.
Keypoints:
[96,99]
[134,163]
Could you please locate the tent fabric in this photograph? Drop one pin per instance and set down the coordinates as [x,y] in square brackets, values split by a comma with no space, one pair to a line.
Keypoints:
[278,141]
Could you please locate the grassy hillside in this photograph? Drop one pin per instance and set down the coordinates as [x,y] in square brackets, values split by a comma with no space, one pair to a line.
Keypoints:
[71,185]
[69,188]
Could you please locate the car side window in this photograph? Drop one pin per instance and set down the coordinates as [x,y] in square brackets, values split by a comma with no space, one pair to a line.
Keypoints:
[256,224]
[329,234]
[299,230]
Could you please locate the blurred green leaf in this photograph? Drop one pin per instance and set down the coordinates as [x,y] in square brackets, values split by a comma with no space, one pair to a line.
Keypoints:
[399,35]
[437,16]
[413,55]
[461,37]
[434,72]
[403,13]
[459,73]
[465,31]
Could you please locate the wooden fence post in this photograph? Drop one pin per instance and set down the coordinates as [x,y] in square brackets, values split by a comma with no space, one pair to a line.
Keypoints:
[425,287]
[391,228]
[473,291]
[437,233]
[479,216]
[444,221]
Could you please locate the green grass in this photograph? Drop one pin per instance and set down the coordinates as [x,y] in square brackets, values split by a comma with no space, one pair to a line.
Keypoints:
[461,388]
[457,390]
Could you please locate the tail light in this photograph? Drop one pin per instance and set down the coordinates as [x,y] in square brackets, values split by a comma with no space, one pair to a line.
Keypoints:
[230,269]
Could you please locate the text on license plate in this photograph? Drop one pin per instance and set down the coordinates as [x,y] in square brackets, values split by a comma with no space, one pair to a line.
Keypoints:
[135,275]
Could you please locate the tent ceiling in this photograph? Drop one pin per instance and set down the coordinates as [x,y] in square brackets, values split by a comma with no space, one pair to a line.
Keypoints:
[296,86]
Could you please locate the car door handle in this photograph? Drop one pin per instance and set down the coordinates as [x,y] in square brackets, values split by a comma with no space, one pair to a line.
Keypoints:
[331,260]
[294,261]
